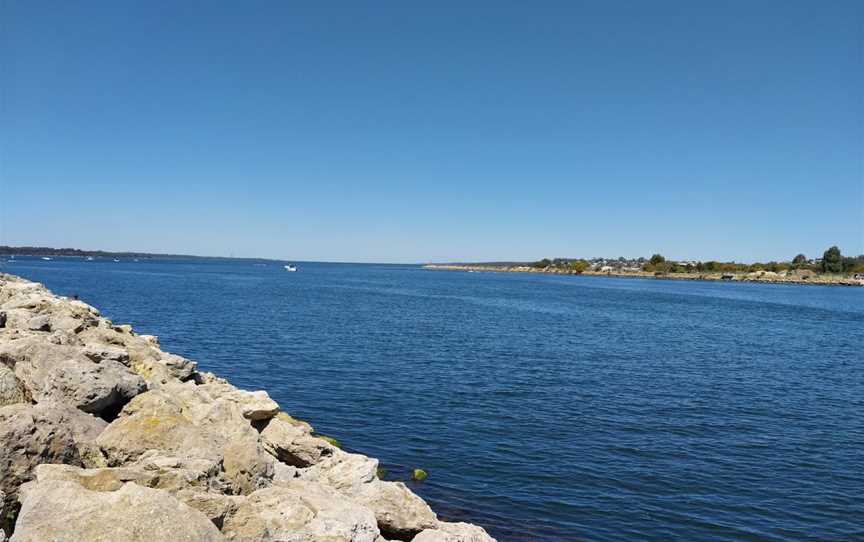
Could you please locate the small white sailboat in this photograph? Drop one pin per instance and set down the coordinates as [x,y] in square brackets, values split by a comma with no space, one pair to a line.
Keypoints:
[46,258]
[290,268]
[116,260]
[89,258]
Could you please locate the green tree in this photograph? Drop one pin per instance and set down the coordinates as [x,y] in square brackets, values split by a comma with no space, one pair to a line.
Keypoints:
[657,259]
[545,262]
[832,260]
[579,266]
[799,260]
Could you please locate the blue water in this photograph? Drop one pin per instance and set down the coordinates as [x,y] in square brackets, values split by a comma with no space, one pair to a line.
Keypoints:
[543,407]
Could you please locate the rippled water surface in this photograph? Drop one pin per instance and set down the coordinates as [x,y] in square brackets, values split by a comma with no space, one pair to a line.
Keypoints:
[543,407]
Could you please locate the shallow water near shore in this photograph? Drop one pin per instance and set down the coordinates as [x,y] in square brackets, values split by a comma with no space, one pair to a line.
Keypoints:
[543,407]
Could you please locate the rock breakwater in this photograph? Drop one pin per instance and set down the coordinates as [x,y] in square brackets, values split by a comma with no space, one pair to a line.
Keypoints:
[106,437]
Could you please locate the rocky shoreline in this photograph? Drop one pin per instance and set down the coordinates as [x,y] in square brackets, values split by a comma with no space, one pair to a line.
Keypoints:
[764,277]
[106,437]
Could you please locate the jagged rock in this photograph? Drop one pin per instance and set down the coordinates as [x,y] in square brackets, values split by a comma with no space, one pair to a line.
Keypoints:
[283,472]
[302,511]
[454,532]
[143,357]
[185,421]
[247,466]
[66,511]
[39,323]
[400,513]
[43,433]
[215,506]
[255,405]
[155,421]
[92,387]
[343,471]
[11,390]
[63,373]
[101,352]
[291,442]
[153,471]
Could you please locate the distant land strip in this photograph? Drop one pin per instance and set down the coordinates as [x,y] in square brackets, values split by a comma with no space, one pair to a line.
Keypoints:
[78,253]
[831,269]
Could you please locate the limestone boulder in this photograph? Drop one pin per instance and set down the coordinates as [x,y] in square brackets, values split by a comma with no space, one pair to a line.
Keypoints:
[184,421]
[214,505]
[247,467]
[61,372]
[91,387]
[143,355]
[64,511]
[301,512]
[255,405]
[400,513]
[43,433]
[291,442]
[346,472]
[454,532]
[157,421]
[99,352]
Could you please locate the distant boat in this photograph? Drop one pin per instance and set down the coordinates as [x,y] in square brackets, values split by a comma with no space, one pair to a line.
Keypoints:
[290,268]
[116,260]
[89,258]
[46,258]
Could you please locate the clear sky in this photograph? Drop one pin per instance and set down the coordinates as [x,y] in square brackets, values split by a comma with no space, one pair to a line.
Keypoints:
[434,131]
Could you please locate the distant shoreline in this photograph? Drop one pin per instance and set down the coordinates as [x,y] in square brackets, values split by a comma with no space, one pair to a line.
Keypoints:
[37,252]
[762,277]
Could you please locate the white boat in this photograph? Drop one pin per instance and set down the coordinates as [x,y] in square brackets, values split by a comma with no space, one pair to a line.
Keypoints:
[89,258]
[46,258]
[290,268]
[116,260]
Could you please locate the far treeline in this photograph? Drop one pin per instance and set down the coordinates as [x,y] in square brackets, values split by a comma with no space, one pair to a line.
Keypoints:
[831,262]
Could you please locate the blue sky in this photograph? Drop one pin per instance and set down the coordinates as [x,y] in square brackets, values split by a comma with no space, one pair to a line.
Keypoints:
[437,131]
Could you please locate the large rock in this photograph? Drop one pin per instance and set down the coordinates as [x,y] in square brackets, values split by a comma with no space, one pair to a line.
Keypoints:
[185,421]
[64,511]
[300,512]
[400,513]
[143,355]
[62,372]
[43,433]
[153,471]
[291,442]
[156,420]
[454,532]
[255,405]
[347,472]
[215,506]
[247,467]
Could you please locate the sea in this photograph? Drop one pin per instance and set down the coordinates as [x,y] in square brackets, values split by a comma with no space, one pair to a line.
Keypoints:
[543,407]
